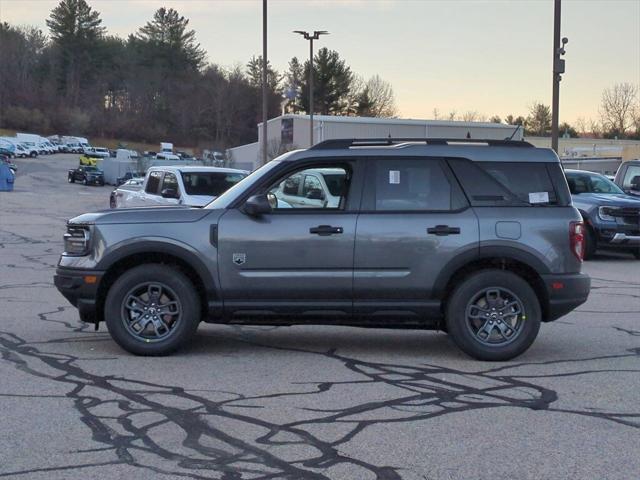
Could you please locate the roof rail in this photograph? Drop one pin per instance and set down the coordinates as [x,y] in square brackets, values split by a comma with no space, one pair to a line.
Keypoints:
[343,143]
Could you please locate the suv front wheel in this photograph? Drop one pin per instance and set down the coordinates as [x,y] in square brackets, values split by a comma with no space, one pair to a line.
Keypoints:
[152,310]
[493,315]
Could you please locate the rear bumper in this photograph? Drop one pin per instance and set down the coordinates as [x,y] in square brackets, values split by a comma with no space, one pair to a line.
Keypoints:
[624,239]
[74,286]
[565,293]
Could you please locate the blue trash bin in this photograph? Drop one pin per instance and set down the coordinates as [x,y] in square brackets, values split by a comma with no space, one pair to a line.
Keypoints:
[6,178]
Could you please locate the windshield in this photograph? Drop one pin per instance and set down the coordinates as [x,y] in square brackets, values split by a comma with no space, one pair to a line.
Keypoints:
[209,183]
[591,183]
[91,169]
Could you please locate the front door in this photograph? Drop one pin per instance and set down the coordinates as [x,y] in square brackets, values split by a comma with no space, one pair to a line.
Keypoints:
[296,260]
[413,222]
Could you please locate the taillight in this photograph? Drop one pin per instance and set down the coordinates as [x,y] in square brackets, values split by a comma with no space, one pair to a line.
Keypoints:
[576,239]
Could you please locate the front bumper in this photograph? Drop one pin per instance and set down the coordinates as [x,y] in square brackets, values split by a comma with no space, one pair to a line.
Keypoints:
[80,287]
[565,293]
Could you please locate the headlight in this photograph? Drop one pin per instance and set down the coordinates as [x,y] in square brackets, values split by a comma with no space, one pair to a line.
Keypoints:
[605,214]
[76,240]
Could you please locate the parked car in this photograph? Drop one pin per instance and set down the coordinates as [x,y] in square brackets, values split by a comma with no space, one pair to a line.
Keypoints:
[134,183]
[191,186]
[479,239]
[319,188]
[30,148]
[88,175]
[611,217]
[628,177]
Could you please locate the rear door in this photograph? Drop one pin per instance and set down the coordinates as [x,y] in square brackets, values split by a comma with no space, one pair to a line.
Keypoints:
[414,221]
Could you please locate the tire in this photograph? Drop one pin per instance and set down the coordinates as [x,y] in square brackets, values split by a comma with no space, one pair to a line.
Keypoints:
[33,154]
[70,179]
[120,319]
[84,181]
[475,292]
[636,253]
[589,243]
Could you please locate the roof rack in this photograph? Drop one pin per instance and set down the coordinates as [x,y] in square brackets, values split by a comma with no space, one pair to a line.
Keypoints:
[343,143]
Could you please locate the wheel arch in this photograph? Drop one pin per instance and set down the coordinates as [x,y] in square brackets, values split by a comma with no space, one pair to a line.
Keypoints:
[521,263]
[128,256]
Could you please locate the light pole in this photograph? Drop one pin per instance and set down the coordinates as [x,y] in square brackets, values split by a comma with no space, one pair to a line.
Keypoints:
[311,37]
[558,70]
[264,82]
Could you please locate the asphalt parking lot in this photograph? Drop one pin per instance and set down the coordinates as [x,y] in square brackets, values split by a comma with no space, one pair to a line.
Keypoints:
[300,402]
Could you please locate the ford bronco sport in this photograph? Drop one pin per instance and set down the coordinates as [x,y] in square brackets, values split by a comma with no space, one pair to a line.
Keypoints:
[475,238]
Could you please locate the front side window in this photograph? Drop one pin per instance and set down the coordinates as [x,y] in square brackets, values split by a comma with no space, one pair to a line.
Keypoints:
[309,189]
[410,185]
[153,183]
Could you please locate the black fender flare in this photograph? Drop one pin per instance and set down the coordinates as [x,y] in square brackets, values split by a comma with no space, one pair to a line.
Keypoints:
[165,246]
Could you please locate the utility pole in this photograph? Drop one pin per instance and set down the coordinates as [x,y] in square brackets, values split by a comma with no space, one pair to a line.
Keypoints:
[311,37]
[265,91]
[558,70]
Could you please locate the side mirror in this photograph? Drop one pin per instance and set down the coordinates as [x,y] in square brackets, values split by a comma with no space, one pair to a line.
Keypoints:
[169,193]
[315,194]
[257,205]
[635,183]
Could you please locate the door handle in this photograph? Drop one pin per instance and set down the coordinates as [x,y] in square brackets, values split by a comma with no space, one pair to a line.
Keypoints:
[443,230]
[324,230]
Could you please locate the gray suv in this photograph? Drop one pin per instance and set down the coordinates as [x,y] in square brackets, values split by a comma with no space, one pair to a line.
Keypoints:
[475,238]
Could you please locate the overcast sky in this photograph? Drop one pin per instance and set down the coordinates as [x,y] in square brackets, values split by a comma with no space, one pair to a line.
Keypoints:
[490,56]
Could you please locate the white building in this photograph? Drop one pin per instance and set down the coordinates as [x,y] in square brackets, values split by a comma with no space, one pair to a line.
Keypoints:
[288,132]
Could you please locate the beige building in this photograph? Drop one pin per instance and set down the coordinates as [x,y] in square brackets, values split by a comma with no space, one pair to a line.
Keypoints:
[288,132]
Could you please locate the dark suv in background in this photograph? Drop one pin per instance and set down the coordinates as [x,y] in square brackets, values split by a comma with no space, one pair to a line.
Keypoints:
[612,218]
[476,238]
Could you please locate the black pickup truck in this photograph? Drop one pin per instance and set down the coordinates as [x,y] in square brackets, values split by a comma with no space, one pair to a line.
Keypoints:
[86,174]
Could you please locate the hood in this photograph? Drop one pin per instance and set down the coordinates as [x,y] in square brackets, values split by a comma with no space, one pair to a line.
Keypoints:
[171,214]
[607,199]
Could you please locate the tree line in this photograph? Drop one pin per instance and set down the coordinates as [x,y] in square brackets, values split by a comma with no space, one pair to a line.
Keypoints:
[157,84]
[619,117]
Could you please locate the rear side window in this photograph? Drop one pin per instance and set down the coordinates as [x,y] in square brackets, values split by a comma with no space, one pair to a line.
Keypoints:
[409,185]
[507,183]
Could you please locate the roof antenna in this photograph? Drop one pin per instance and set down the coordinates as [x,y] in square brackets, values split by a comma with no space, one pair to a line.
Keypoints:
[468,134]
[514,133]
[389,138]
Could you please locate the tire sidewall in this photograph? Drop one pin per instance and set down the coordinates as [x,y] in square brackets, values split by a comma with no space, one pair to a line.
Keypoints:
[183,288]
[471,286]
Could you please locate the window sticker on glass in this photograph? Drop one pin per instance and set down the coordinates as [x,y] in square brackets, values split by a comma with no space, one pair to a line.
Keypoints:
[394,177]
[539,197]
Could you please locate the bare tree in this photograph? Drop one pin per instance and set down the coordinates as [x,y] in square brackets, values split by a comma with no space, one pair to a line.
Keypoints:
[617,107]
[582,126]
[376,98]
[452,115]
[470,116]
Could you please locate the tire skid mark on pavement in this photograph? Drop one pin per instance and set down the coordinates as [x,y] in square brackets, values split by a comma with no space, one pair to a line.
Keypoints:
[425,392]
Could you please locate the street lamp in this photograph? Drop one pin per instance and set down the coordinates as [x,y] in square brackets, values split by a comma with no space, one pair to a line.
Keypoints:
[311,37]
[558,70]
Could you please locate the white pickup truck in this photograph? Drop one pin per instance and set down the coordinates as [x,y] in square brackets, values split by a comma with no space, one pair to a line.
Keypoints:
[192,186]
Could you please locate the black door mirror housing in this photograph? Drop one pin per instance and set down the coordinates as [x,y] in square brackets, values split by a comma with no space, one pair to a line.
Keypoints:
[635,183]
[315,194]
[257,205]
[170,193]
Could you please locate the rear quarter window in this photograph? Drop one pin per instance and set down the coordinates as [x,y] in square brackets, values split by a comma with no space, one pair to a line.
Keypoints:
[511,183]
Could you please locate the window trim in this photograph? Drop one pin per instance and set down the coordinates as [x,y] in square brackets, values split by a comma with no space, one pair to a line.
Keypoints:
[354,196]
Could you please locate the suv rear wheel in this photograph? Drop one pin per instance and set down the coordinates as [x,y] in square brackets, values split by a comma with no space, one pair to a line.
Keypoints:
[152,310]
[493,315]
